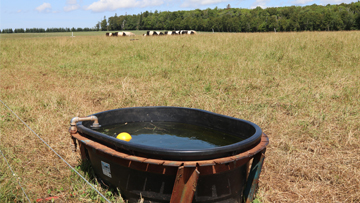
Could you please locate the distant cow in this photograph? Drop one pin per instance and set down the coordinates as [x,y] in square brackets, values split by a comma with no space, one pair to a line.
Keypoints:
[158,33]
[152,33]
[187,32]
[128,34]
[175,32]
[170,33]
[114,34]
[149,33]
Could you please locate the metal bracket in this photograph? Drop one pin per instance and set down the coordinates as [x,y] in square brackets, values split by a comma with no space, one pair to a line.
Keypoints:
[185,185]
[253,178]
[75,143]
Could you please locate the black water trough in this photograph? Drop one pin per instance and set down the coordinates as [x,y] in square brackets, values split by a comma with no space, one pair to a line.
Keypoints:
[160,174]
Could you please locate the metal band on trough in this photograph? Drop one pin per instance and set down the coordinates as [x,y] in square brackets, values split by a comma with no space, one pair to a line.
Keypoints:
[161,166]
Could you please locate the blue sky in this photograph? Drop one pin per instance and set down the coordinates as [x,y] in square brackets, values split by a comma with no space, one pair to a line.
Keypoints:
[86,13]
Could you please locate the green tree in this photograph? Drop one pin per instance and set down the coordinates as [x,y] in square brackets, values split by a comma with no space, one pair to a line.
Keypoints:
[97,26]
[104,24]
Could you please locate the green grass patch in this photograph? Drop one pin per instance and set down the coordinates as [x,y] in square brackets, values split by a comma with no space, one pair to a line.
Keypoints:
[301,88]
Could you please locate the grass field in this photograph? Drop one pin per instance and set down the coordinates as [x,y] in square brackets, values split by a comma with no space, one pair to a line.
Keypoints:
[302,89]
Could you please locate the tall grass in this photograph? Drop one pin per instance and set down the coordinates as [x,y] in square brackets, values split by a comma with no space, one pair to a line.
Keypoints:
[302,89]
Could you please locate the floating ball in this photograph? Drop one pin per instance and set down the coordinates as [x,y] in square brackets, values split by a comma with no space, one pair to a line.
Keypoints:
[124,136]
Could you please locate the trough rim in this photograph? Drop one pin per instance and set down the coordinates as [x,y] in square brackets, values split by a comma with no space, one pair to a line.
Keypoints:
[174,154]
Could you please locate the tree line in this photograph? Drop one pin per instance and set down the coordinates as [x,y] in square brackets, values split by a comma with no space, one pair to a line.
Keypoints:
[293,18]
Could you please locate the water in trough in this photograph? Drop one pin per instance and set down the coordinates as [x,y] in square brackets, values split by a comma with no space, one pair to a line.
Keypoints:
[172,135]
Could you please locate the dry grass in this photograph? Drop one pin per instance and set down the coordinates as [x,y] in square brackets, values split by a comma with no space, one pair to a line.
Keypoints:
[302,89]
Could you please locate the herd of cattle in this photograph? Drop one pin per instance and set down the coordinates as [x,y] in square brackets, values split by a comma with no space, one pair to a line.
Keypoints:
[177,32]
[153,33]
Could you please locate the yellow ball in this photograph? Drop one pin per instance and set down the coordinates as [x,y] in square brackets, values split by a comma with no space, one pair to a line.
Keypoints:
[124,136]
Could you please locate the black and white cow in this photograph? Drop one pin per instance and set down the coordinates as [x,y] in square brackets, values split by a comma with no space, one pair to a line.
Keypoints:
[187,32]
[153,33]
[127,34]
[149,33]
[170,33]
[159,33]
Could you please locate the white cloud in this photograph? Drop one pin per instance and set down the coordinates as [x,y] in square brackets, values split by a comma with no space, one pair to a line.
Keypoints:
[71,7]
[261,3]
[19,11]
[301,2]
[192,3]
[325,2]
[111,5]
[70,2]
[45,7]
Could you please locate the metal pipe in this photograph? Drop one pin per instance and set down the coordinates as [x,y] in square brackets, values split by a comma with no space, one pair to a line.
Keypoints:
[89,118]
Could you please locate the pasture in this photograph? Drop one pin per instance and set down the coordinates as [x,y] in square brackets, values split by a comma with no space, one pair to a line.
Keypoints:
[301,88]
